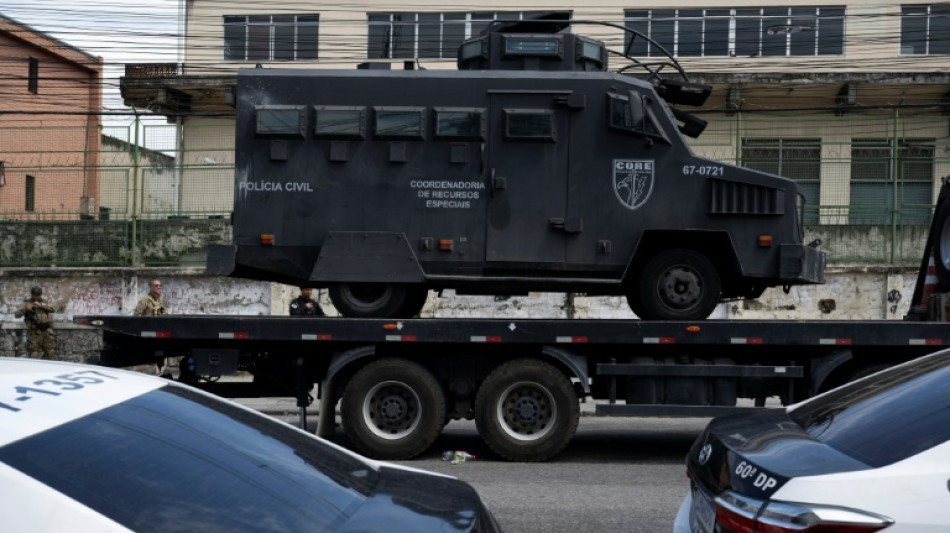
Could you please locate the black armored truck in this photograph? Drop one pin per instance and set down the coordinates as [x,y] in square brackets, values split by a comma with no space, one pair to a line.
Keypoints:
[530,168]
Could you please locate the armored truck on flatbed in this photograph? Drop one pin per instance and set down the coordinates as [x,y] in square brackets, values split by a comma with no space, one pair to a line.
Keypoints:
[531,168]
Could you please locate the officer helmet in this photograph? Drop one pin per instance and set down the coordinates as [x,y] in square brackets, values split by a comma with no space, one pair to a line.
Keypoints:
[36,291]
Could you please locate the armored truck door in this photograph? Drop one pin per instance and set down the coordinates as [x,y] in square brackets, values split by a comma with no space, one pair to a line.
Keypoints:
[527,179]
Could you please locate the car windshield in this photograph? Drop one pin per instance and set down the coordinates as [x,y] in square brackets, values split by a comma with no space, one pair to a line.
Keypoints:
[177,460]
[886,418]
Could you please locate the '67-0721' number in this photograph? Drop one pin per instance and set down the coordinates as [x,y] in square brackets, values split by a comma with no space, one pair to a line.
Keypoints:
[703,170]
[56,386]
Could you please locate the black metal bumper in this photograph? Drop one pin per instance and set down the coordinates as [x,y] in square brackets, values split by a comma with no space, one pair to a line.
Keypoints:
[800,264]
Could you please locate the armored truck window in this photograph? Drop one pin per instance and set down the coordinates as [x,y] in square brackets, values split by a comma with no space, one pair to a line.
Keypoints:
[529,124]
[460,124]
[281,120]
[340,122]
[406,122]
[524,46]
[620,118]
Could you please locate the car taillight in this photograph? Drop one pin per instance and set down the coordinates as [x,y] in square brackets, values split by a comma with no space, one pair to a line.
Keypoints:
[739,514]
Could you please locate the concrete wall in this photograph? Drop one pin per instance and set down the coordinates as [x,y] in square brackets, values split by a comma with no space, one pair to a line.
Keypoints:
[849,294]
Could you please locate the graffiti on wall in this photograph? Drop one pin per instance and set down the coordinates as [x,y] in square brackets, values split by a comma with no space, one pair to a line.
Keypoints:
[72,296]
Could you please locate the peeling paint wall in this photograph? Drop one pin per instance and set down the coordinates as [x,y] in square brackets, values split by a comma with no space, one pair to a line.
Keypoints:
[106,294]
[857,294]
[849,294]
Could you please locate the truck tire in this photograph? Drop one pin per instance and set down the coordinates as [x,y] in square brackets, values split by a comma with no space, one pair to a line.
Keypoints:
[415,301]
[679,284]
[526,410]
[377,300]
[393,409]
[633,301]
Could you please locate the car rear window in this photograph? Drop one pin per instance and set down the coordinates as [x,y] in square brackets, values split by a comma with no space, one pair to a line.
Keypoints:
[886,418]
[175,460]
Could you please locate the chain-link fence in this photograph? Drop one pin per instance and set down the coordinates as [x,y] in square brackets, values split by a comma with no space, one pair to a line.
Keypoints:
[123,196]
[870,181]
[158,194]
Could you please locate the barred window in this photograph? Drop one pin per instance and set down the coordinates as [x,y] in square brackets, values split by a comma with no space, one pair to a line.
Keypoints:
[270,37]
[769,31]
[427,35]
[889,180]
[797,159]
[925,29]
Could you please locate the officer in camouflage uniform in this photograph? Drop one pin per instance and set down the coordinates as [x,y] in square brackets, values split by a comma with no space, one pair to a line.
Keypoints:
[152,305]
[38,315]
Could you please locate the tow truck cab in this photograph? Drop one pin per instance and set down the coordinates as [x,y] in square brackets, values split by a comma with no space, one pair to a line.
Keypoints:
[531,168]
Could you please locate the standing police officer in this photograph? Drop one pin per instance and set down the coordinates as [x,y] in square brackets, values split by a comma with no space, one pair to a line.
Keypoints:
[305,305]
[152,305]
[38,316]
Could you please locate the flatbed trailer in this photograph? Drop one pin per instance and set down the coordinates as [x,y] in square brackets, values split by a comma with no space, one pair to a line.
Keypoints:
[398,382]
[401,381]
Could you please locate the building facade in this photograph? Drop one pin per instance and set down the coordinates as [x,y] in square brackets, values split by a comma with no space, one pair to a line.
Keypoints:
[850,98]
[49,126]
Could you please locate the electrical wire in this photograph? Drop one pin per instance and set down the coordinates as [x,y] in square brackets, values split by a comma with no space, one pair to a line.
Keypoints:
[138,32]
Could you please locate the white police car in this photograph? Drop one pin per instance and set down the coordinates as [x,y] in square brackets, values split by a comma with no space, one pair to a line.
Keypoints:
[100,450]
[871,455]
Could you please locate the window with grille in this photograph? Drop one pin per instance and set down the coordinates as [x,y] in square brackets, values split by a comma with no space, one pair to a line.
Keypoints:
[427,35]
[891,182]
[798,159]
[271,37]
[925,29]
[751,32]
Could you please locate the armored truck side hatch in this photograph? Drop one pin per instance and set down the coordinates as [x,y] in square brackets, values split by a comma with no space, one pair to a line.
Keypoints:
[530,168]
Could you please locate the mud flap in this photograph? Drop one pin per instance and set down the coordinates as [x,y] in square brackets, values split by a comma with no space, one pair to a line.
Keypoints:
[367,256]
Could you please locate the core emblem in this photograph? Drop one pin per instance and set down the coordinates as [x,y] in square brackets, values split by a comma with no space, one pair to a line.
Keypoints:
[633,181]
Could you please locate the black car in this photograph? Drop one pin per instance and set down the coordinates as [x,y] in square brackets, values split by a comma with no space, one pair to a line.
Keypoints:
[873,454]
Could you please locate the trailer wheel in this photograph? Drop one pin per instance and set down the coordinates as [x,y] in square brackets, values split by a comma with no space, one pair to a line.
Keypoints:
[526,410]
[377,300]
[679,284]
[393,409]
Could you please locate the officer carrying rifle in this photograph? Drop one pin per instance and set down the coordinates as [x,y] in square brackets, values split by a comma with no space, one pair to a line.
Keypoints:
[38,315]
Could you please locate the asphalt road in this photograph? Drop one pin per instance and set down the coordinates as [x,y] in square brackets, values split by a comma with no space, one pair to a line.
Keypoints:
[617,475]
